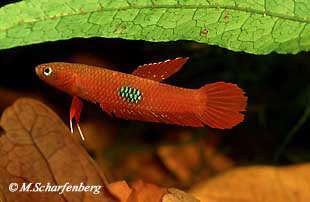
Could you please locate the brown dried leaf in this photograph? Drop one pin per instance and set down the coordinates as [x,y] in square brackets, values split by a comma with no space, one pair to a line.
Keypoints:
[176,195]
[145,192]
[138,192]
[120,190]
[151,171]
[258,184]
[181,160]
[189,160]
[217,161]
[37,147]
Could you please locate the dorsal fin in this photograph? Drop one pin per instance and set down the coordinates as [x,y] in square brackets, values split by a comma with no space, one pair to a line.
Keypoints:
[161,70]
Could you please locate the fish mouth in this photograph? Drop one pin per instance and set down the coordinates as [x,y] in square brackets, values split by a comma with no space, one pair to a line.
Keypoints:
[37,70]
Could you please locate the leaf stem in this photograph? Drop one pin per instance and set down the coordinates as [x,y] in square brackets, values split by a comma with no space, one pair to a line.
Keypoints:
[294,130]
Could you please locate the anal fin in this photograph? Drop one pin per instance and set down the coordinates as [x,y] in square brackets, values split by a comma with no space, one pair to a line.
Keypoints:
[178,118]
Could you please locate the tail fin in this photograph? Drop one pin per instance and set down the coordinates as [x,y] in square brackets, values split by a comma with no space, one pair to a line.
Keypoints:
[224,104]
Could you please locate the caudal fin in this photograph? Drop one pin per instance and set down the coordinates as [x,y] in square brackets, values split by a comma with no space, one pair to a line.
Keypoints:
[224,104]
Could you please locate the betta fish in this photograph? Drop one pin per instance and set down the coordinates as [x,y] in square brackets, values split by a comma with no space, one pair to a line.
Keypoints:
[142,95]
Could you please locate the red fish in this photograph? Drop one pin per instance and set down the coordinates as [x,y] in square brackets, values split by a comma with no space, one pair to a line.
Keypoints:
[142,96]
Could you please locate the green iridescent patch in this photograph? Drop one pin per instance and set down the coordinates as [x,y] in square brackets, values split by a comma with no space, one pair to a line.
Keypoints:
[130,94]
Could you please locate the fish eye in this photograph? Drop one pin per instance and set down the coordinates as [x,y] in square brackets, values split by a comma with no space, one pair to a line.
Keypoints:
[47,71]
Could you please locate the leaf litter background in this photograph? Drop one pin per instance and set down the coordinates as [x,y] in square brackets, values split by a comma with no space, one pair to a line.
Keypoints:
[275,131]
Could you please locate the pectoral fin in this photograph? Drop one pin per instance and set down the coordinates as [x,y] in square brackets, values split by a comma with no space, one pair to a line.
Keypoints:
[75,112]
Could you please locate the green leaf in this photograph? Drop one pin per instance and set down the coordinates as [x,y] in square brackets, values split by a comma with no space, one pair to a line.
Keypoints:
[253,26]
